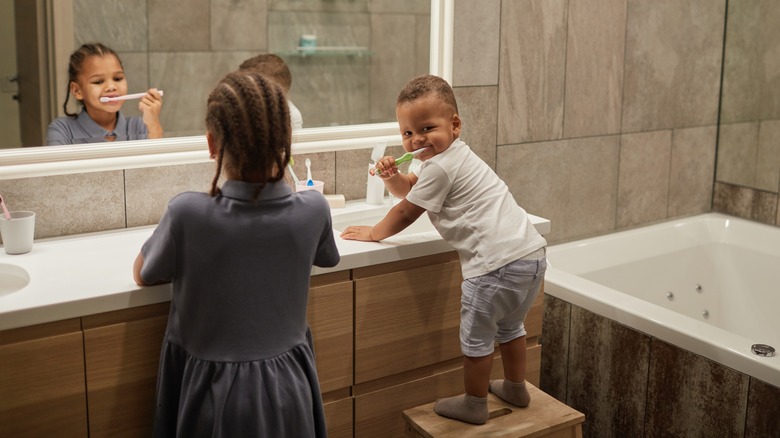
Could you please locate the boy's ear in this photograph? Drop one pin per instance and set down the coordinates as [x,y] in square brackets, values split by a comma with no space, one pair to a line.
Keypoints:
[456,124]
[75,90]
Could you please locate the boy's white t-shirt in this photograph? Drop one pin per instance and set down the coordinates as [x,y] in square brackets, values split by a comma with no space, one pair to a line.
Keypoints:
[296,118]
[473,210]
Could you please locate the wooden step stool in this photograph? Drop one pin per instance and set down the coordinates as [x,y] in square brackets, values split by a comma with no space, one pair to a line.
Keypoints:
[544,417]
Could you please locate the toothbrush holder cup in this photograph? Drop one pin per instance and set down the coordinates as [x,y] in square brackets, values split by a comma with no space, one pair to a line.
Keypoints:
[18,232]
[318,186]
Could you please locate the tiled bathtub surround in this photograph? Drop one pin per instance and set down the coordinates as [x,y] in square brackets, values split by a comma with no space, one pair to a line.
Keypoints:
[630,384]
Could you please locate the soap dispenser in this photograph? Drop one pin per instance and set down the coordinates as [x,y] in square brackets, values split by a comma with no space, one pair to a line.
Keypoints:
[375,187]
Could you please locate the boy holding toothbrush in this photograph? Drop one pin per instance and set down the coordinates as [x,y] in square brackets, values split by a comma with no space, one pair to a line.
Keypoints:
[502,255]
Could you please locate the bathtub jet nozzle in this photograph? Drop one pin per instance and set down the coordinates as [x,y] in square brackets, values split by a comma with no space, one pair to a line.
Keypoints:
[763,350]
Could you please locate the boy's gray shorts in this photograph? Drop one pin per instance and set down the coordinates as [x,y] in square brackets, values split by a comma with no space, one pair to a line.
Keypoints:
[494,305]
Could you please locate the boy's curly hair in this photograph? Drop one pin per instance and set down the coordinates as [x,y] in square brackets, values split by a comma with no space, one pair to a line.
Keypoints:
[426,85]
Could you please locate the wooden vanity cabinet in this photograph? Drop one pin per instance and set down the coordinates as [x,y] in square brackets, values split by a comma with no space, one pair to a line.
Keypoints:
[407,344]
[122,354]
[42,381]
[330,315]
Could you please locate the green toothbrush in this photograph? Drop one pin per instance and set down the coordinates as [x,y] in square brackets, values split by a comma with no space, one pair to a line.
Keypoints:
[404,158]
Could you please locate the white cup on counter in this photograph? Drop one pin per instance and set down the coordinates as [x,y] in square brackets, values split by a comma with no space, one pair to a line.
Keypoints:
[18,232]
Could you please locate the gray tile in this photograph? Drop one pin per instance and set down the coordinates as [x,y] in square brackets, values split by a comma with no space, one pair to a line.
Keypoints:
[571,182]
[352,168]
[184,102]
[329,90]
[179,24]
[692,169]
[422,45]
[643,184]
[555,347]
[746,203]
[69,204]
[763,406]
[391,68]
[672,66]
[150,189]
[607,375]
[119,24]
[239,24]
[689,395]
[475,42]
[403,6]
[136,67]
[478,107]
[750,90]
[594,67]
[323,168]
[319,5]
[737,150]
[531,71]
[768,156]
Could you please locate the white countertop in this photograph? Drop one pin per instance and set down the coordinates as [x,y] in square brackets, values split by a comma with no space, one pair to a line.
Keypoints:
[86,274]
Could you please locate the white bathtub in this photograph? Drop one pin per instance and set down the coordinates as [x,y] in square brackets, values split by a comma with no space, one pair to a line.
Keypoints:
[723,274]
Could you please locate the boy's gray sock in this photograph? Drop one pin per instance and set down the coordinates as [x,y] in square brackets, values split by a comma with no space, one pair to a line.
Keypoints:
[463,407]
[511,392]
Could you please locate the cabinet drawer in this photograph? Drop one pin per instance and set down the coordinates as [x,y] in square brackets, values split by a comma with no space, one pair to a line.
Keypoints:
[338,415]
[42,387]
[330,318]
[406,319]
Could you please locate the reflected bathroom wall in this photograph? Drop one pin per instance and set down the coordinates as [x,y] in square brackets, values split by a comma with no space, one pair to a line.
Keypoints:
[366,51]
[749,137]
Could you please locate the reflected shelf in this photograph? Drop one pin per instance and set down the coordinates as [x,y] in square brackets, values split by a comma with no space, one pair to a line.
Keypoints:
[321,51]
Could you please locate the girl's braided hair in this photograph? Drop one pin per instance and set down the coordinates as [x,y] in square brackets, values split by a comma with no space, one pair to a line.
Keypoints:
[249,120]
[76,63]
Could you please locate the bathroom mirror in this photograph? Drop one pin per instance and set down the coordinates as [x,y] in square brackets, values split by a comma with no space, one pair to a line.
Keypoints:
[749,130]
[379,22]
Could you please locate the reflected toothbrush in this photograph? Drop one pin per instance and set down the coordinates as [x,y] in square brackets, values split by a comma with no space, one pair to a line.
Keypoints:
[105,99]
[404,158]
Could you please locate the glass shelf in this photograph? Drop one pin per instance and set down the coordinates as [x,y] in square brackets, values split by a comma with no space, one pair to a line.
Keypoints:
[305,52]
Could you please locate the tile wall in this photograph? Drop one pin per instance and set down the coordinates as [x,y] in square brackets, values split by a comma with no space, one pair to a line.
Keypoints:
[599,114]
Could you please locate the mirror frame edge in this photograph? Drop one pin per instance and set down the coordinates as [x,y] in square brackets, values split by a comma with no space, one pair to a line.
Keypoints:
[62,160]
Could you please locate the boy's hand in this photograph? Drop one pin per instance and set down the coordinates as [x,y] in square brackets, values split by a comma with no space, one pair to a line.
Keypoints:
[358,232]
[385,168]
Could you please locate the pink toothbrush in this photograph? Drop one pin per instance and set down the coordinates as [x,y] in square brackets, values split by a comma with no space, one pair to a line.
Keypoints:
[105,99]
[5,209]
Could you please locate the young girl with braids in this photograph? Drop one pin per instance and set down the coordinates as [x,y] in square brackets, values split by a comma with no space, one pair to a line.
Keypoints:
[237,357]
[95,71]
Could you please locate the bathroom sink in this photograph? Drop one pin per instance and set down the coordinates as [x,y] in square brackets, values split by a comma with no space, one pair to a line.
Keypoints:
[373,216]
[12,278]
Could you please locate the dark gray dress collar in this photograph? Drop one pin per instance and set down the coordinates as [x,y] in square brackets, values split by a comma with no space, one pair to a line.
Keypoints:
[245,191]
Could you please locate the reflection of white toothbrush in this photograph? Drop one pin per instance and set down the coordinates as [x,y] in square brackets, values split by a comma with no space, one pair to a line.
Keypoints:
[125,97]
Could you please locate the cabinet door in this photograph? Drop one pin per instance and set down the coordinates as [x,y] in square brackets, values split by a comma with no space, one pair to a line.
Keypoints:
[330,318]
[42,381]
[338,416]
[122,351]
[406,317]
